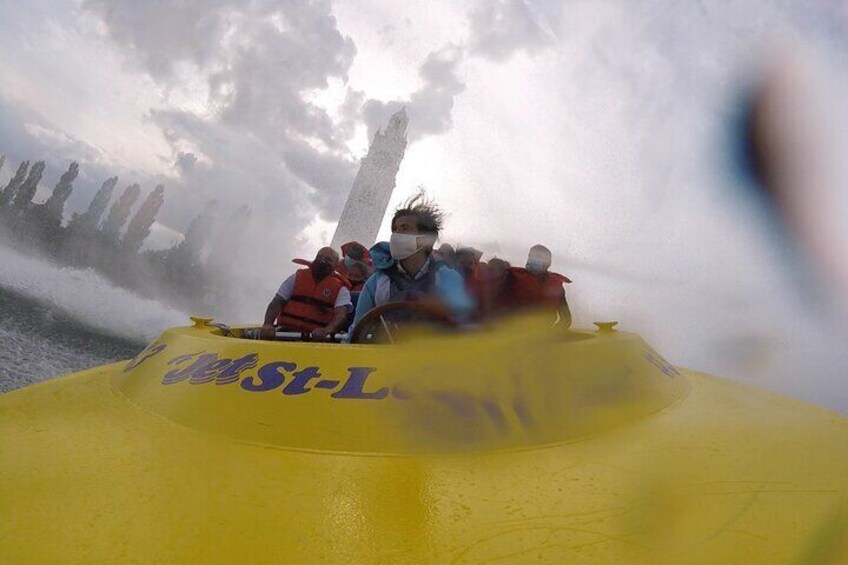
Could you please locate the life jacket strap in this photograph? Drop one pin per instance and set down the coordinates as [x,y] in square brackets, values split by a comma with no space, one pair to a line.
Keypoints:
[311,300]
[301,318]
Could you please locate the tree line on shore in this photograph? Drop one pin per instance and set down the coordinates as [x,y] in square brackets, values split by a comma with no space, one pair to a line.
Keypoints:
[186,275]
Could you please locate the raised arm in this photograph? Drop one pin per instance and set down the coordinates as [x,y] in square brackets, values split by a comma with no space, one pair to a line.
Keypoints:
[271,312]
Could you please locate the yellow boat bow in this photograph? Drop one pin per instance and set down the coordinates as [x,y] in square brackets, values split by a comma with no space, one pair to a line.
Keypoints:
[509,444]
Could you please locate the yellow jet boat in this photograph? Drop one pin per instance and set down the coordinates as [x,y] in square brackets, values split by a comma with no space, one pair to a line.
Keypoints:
[509,444]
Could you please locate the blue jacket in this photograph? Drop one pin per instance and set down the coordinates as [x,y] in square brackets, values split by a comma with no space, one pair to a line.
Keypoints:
[447,285]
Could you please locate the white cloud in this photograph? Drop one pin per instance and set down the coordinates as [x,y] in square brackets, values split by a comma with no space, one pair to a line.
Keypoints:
[501,28]
[431,106]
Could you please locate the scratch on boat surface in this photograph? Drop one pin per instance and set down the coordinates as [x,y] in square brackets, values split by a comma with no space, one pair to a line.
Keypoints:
[551,531]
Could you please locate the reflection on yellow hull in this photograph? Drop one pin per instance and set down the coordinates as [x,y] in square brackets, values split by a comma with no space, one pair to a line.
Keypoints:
[514,444]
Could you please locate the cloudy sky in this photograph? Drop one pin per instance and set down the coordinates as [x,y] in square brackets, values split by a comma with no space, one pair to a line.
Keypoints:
[603,129]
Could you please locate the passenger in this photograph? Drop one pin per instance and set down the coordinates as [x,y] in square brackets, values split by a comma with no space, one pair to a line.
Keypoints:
[356,265]
[312,300]
[353,252]
[467,259]
[535,286]
[357,274]
[406,270]
[445,254]
[468,265]
[496,295]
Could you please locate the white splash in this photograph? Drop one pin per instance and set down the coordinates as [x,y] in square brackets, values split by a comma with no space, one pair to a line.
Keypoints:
[87,297]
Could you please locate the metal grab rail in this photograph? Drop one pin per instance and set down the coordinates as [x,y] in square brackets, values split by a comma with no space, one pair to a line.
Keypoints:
[253,333]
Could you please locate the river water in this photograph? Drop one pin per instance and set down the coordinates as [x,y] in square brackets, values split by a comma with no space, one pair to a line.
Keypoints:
[40,342]
[56,320]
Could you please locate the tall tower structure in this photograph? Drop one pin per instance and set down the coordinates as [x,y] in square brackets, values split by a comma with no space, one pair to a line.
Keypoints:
[366,205]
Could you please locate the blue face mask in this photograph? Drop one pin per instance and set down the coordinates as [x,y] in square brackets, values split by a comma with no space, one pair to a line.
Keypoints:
[349,262]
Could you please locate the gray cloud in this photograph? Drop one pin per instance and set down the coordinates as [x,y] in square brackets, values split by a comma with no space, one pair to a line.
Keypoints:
[29,135]
[185,161]
[260,62]
[26,135]
[499,29]
[230,166]
[430,107]
[270,71]
[159,34]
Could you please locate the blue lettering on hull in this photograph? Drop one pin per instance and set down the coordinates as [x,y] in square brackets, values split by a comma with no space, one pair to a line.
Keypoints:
[203,368]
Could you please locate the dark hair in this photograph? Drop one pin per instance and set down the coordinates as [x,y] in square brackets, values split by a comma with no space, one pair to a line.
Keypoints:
[359,267]
[356,251]
[470,251]
[496,262]
[427,214]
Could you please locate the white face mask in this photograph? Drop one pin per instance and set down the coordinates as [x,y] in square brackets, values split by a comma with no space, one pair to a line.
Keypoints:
[403,245]
[535,266]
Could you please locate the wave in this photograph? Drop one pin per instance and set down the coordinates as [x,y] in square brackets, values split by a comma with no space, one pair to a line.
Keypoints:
[87,297]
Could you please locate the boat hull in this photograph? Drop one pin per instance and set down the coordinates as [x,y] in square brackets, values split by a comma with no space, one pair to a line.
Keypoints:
[115,464]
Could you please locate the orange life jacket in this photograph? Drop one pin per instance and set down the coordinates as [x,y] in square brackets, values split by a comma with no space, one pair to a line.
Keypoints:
[492,292]
[527,289]
[312,302]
